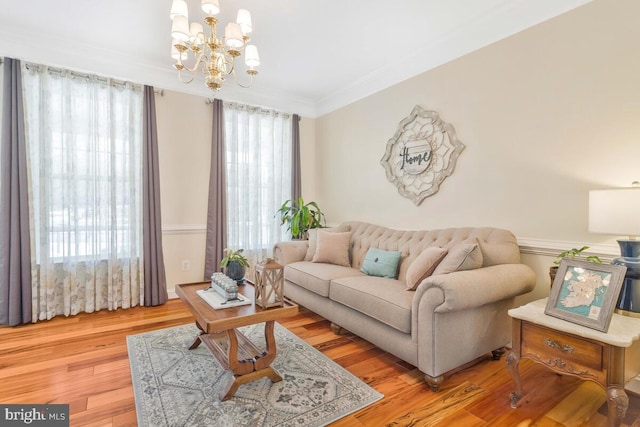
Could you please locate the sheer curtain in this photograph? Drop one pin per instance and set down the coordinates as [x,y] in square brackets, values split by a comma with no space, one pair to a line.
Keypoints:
[84,135]
[258,159]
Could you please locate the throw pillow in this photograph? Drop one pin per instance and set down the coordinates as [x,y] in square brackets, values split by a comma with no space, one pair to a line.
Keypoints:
[463,256]
[332,248]
[423,266]
[311,250]
[381,263]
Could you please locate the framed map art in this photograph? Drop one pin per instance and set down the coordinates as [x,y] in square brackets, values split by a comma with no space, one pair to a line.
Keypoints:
[585,293]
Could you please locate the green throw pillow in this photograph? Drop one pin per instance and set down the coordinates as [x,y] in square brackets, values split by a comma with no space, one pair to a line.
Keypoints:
[381,263]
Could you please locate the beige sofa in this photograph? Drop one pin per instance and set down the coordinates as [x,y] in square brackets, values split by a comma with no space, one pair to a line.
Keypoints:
[450,319]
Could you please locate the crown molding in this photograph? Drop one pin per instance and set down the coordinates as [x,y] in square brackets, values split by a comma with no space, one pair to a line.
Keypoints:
[505,20]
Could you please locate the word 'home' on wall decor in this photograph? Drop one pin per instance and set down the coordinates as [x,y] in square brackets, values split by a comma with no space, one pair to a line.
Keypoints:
[421,154]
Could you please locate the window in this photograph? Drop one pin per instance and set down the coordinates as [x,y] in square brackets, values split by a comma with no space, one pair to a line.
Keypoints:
[258,157]
[84,136]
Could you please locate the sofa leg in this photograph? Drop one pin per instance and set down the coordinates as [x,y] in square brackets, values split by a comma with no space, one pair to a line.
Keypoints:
[434,382]
[338,330]
[497,353]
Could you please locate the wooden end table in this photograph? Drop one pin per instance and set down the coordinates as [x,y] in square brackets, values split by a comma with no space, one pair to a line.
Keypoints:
[243,358]
[571,349]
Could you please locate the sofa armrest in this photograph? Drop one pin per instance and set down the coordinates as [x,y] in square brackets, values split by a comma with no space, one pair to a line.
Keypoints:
[474,288]
[290,251]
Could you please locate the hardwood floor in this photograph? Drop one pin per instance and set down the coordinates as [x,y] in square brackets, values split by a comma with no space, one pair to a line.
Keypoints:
[83,361]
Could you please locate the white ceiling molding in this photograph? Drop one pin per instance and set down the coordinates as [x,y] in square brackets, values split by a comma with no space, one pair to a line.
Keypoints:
[304,70]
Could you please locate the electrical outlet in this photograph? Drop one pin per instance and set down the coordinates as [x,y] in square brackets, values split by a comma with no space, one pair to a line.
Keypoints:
[186,265]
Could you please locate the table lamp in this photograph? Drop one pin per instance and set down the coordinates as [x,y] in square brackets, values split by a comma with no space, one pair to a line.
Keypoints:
[616,211]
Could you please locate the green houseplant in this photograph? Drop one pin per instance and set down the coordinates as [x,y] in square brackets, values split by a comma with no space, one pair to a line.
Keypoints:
[573,253]
[234,263]
[300,217]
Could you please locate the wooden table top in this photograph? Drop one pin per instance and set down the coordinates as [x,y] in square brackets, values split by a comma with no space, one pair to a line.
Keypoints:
[213,321]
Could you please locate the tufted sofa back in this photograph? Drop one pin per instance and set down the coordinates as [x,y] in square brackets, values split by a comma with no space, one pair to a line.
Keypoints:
[498,246]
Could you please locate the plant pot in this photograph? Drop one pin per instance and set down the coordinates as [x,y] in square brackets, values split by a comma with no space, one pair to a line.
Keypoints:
[235,270]
[552,273]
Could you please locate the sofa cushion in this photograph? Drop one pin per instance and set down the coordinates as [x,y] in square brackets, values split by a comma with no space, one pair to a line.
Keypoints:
[423,266]
[386,300]
[381,263]
[332,248]
[463,256]
[315,277]
[311,250]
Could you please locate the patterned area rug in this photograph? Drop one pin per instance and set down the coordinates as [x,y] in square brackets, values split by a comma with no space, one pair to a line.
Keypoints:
[174,386]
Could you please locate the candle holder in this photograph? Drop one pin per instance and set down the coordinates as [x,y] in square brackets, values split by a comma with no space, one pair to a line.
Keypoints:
[269,284]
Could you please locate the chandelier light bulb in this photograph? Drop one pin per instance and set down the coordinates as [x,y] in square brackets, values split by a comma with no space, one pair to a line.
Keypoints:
[233,35]
[244,19]
[180,28]
[211,7]
[252,59]
[179,8]
[196,33]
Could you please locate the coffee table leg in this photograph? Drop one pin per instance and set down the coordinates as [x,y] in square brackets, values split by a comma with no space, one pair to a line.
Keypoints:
[265,359]
[250,370]
[197,341]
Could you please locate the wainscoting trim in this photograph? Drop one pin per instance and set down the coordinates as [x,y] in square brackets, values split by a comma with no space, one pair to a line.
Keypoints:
[184,229]
[552,248]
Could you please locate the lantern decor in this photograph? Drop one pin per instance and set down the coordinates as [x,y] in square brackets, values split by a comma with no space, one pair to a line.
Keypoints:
[269,284]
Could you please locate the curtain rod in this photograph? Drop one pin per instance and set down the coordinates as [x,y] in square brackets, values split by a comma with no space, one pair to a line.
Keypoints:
[156,90]
[248,107]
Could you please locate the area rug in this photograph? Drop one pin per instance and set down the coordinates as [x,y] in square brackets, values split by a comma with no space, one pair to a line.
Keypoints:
[175,386]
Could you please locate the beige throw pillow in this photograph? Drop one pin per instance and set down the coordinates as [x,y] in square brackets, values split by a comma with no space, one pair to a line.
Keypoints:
[463,256]
[311,250]
[332,248]
[423,266]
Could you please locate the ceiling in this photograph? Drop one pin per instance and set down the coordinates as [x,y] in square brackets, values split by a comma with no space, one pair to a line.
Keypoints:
[316,55]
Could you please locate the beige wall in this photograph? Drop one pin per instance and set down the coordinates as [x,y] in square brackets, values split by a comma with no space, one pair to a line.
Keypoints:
[184,140]
[546,115]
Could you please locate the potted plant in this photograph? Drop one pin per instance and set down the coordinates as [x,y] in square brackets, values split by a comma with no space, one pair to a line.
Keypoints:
[300,217]
[573,253]
[235,264]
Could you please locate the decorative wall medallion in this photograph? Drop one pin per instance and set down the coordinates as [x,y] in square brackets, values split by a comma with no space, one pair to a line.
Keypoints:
[421,154]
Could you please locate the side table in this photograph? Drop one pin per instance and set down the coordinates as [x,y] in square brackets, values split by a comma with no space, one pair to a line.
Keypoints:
[610,359]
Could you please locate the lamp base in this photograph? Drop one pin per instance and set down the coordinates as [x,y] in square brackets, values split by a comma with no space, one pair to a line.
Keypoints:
[629,299]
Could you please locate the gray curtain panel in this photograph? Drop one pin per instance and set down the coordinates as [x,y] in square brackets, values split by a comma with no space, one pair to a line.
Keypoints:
[296,179]
[155,282]
[15,249]
[217,212]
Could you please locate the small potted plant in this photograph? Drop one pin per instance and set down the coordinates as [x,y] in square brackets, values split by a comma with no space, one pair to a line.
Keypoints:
[235,264]
[573,253]
[300,217]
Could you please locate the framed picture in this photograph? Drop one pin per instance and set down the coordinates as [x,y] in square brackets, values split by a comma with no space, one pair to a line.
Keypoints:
[585,293]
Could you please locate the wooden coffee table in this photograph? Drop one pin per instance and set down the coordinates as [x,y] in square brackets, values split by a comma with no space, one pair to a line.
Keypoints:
[243,358]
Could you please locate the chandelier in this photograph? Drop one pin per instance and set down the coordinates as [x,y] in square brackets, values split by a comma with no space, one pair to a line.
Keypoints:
[213,57]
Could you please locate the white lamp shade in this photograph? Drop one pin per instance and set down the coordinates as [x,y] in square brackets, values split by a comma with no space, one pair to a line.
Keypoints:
[233,35]
[615,211]
[244,19]
[180,28]
[211,7]
[179,8]
[252,59]
[196,33]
